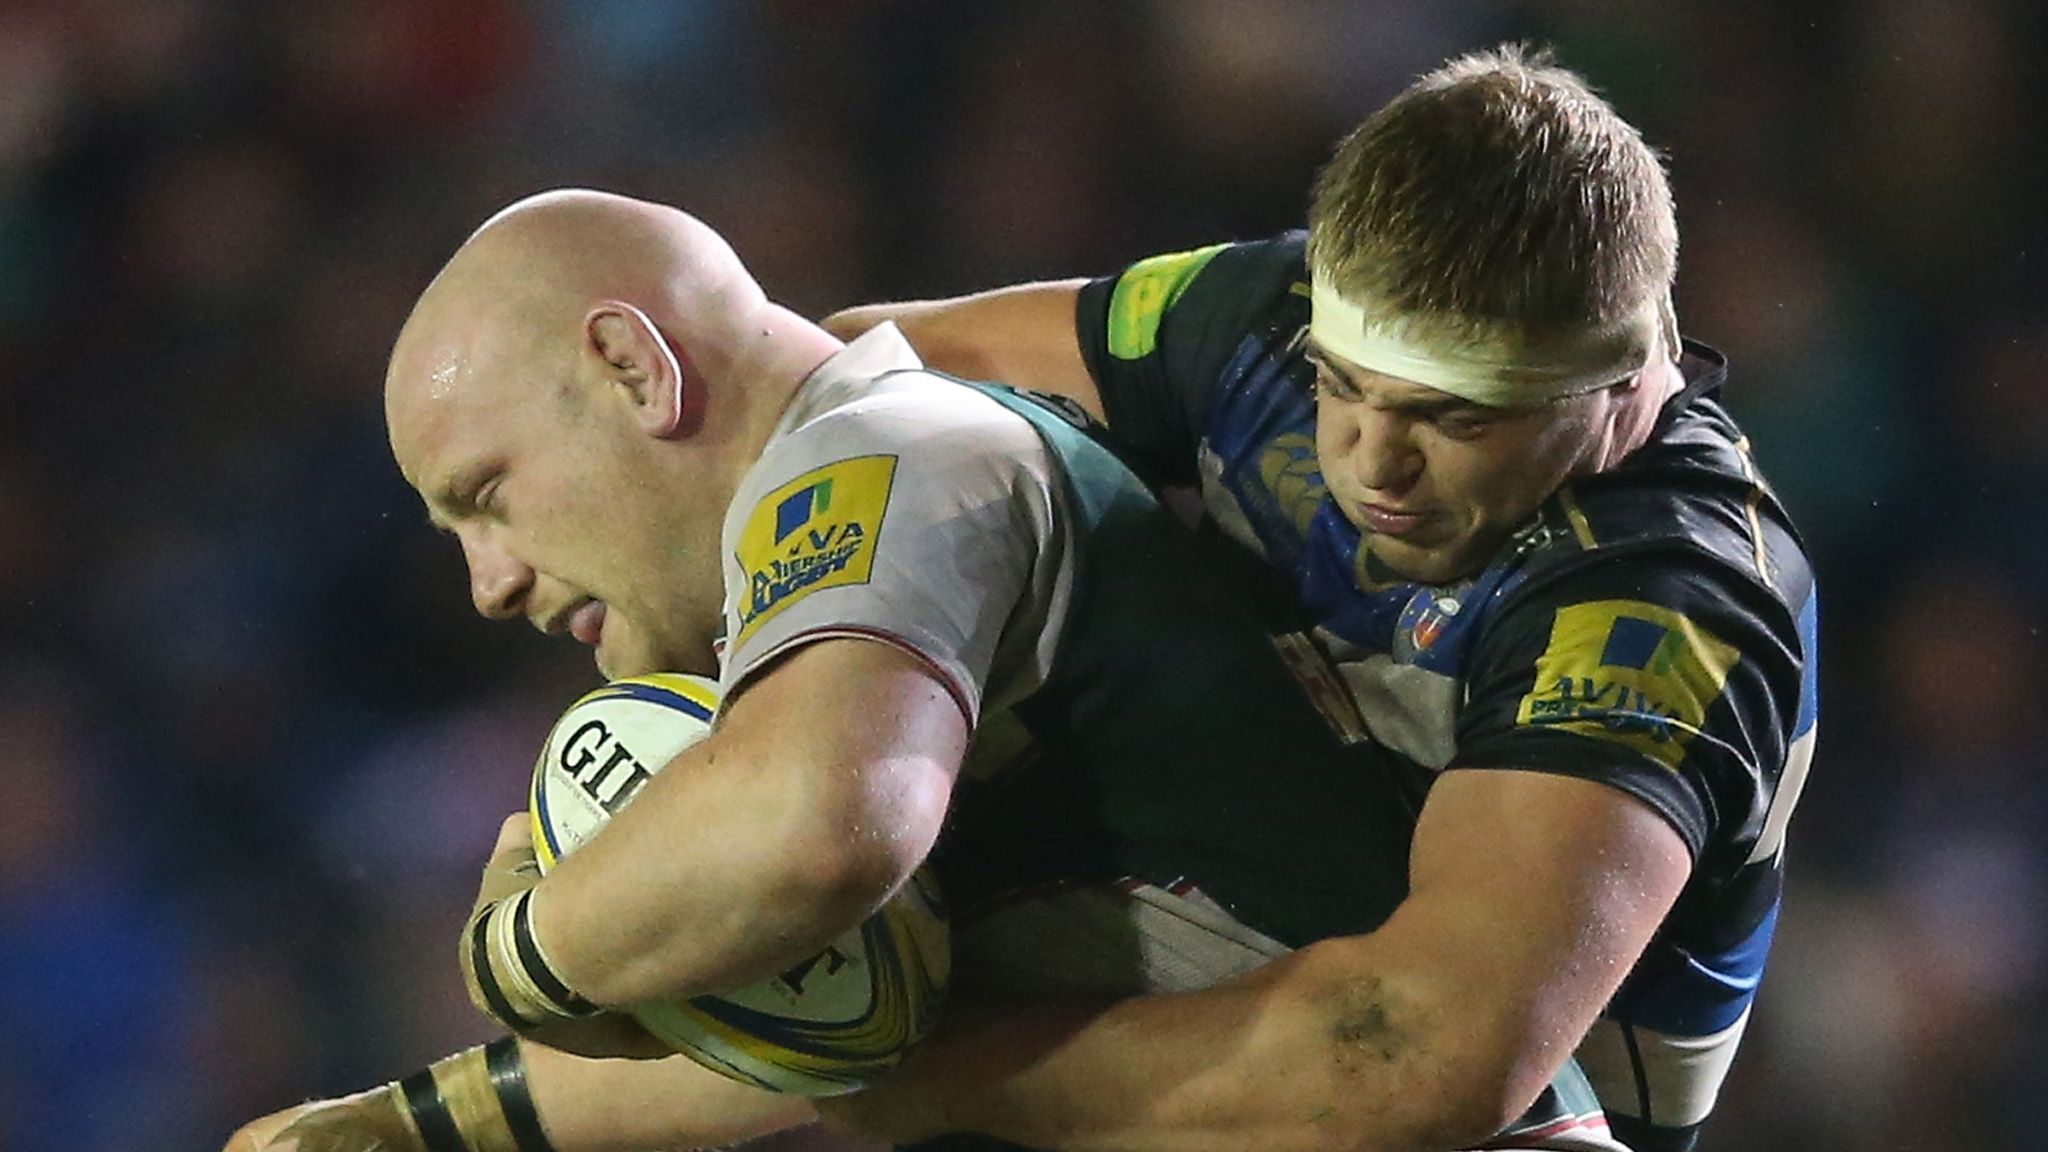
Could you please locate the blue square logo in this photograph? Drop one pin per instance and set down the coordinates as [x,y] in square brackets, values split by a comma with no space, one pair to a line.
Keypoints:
[1631,643]
[797,510]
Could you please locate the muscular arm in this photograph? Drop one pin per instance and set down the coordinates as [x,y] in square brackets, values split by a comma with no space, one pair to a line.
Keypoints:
[1022,336]
[821,790]
[1532,895]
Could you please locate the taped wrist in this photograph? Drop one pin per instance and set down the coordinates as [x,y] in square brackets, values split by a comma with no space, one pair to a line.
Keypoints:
[514,980]
[473,1101]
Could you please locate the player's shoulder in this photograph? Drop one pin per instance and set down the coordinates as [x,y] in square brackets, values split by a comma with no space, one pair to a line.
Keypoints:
[1215,284]
[875,397]
[1277,260]
[1693,491]
[872,439]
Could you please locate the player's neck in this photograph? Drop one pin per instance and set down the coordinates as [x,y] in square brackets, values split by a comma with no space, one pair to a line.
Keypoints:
[775,353]
[1632,427]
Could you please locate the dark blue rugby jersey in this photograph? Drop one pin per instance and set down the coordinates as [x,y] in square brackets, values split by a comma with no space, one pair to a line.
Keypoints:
[1651,627]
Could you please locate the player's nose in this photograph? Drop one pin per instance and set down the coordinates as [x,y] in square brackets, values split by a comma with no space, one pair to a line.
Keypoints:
[498,582]
[1383,456]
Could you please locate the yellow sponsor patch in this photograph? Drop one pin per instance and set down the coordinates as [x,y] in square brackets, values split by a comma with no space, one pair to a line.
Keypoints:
[1143,294]
[1630,673]
[817,531]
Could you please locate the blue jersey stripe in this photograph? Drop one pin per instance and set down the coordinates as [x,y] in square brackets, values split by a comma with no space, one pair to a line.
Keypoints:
[1683,993]
[1809,676]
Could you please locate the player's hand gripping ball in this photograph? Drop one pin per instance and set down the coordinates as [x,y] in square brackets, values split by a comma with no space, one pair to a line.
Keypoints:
[826,1026]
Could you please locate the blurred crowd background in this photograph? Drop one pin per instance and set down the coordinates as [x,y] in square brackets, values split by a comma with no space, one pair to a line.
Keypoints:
[254,746]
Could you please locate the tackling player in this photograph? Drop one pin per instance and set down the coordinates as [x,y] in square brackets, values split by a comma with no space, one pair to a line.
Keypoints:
[634,447]
[1458,419]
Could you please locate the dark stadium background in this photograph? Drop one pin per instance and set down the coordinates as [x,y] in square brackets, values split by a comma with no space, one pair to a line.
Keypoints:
[253,746]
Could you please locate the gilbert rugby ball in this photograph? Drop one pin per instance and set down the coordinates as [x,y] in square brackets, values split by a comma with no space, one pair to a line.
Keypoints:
[827,1025]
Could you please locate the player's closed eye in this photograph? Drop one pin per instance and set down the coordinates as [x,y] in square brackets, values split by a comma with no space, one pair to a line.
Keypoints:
[1330,384]
[482,497]
[1461,425]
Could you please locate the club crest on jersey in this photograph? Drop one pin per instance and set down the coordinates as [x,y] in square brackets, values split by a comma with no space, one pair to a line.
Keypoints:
[817,531]
[1629,673]
[1423,622]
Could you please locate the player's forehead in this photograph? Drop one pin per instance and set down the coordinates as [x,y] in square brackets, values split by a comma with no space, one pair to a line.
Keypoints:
[432,412]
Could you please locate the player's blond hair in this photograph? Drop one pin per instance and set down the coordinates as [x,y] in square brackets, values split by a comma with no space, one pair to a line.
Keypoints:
[1498,192]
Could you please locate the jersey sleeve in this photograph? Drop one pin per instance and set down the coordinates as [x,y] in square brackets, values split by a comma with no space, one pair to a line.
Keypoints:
[926,521]
[1158,335]
[1664,675]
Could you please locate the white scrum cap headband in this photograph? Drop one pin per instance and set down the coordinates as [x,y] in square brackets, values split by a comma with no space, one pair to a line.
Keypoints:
[1498,371]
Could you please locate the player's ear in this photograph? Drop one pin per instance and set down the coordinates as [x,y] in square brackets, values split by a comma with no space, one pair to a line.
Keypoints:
[643,364]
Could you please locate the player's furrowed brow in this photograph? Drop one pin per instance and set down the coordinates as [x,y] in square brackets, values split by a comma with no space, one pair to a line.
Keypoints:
[1321,359]
[1432,407]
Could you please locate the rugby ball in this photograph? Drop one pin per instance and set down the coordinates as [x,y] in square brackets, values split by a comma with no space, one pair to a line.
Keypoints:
[826,1026]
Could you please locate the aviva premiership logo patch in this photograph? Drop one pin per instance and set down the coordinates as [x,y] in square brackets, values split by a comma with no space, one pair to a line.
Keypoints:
[1630,673]
[817,531]
[1143,294]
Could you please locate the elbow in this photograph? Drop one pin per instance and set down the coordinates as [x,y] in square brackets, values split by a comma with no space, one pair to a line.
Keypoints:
[1455,1100]
[845,881]
[1454,1067]
[1499,1057]
[1478,1100]
[844,861]
[875,832]
[825,887]
[1488,1075]
[850,840]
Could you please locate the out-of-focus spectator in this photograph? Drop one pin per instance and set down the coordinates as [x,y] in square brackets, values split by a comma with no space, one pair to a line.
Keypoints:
[95,956]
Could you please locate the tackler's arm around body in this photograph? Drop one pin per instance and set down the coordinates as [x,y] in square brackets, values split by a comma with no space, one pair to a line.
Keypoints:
[1532,896]
[1022,335]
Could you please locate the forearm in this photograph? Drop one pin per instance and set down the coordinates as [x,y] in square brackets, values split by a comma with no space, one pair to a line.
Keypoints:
[1022,335]
[649,1105]
[521,1097]
[1295,1056]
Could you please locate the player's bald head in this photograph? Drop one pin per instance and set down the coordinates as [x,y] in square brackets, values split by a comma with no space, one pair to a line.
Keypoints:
[507,313]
